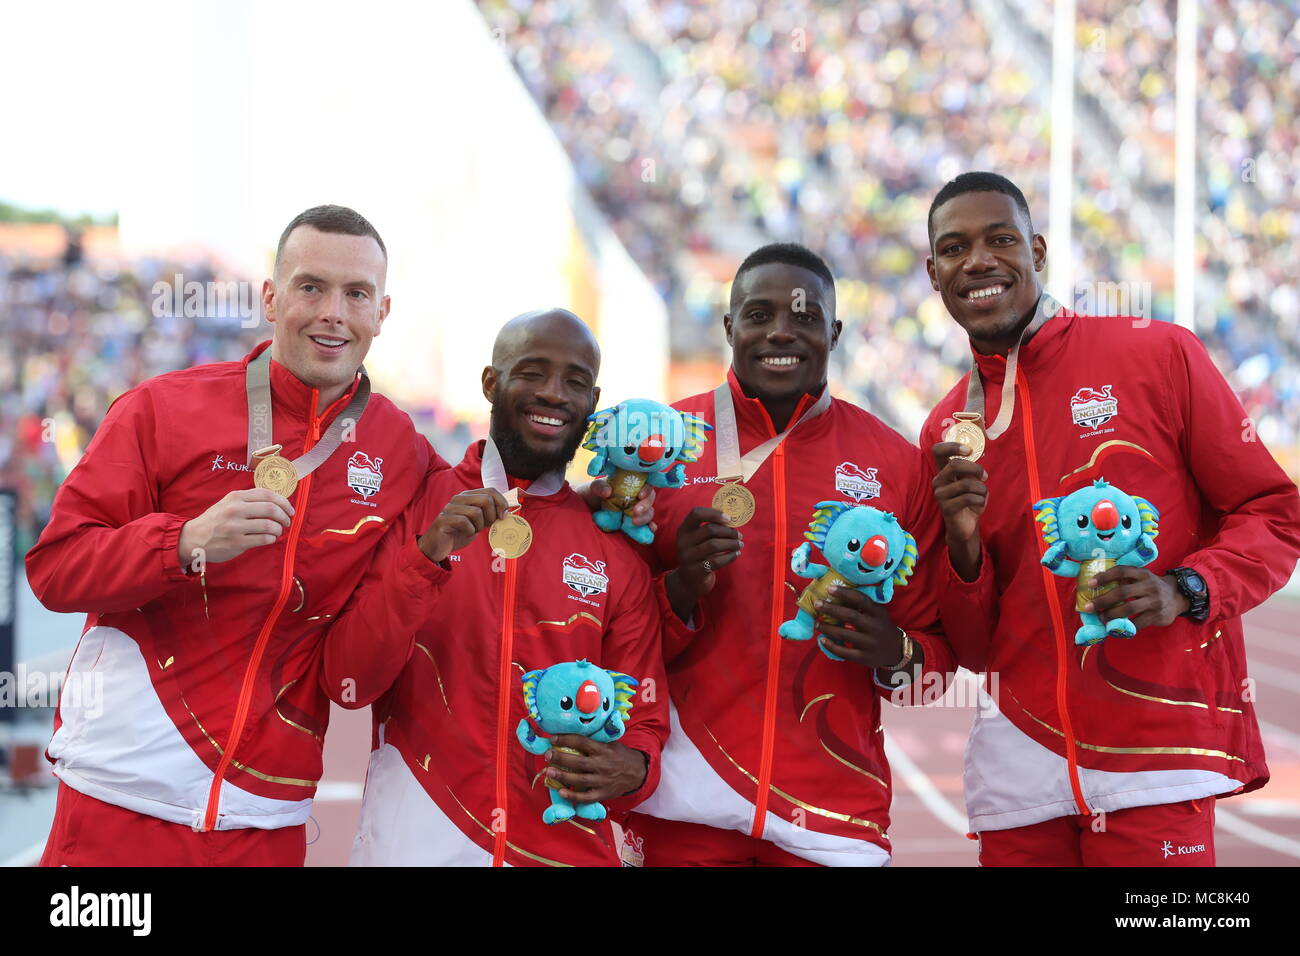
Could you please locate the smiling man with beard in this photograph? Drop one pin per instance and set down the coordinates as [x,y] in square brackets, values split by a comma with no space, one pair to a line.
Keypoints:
[448,783]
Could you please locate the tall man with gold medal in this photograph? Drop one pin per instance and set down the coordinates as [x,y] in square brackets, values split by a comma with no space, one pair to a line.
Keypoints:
[1100,754]
[775,756]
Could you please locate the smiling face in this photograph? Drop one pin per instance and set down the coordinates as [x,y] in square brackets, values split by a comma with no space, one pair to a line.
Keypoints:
[984,263]
[866,548]
[325,303]
[1099,523]
[574,699]
[781,329]
[542,386]
[644,438]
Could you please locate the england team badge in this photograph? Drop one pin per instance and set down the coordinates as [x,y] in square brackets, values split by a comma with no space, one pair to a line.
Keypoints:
[585,576]
[856,483]
[1091,408]
[364,476]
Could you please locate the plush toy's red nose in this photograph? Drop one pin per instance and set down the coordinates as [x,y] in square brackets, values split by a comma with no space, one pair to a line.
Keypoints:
[588,697]
[652,449]
[1105,515]
[875,550]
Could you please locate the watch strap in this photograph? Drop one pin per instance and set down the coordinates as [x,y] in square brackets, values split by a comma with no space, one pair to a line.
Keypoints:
[1198,602]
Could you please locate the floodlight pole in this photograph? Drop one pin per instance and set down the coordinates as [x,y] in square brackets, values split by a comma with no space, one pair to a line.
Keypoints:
[1060,239]
[1185,166]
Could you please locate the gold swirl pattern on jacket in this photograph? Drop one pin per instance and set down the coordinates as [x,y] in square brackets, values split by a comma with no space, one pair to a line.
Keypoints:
[295,726]
[490,832]
[1102,447]
[1153,751]
[437,675]
[820,811]
[579,616]
[287,781]
[1217,635]
[1176,703]
[362,522]
[808,706]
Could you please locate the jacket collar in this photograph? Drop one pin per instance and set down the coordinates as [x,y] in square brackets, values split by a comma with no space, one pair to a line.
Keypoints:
[751,415]
[471,470]
[1036,354]
[291,396]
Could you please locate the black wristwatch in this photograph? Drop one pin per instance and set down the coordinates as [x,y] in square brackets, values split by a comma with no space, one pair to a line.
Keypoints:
[1195,589]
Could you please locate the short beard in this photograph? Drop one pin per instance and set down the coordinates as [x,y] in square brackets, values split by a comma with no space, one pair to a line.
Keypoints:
[519,459]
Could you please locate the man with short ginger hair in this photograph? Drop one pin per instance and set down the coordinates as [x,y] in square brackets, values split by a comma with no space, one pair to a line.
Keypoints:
[207,598]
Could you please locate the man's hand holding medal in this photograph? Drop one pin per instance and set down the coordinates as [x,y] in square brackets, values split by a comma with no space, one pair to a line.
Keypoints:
[240,521]
[706,542]
[461,520]
[961,492]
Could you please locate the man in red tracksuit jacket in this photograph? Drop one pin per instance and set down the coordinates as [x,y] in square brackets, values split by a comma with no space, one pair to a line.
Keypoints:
[1109,753]
[776,755]
[449,783]
[207,599]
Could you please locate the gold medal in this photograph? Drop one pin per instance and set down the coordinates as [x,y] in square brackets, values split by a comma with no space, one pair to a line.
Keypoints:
[274,472]
[555,784]
[1088,569]
[966,431]
[510,536]
[736,502]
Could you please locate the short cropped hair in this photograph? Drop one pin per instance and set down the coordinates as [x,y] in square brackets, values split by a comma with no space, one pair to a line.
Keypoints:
[334,219]
[790,254]
[978,182]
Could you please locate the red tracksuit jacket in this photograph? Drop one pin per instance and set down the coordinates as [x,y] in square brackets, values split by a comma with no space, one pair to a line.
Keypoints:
[771,737]
[448,782]
[1168,715]
[212,714]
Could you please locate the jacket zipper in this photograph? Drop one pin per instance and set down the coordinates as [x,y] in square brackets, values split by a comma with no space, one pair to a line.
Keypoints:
[1053,604]
[254,662]
[773,645]
[500,818]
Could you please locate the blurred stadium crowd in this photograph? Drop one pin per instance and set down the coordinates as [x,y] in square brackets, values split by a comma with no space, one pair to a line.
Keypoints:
[78,333]
[703,129]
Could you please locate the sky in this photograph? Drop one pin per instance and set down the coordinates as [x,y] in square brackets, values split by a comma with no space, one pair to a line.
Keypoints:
[212,124]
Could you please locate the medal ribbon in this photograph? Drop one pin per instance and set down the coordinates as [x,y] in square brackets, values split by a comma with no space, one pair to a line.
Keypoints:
[1047,309]
[494,476]
[257,383]
[726,437]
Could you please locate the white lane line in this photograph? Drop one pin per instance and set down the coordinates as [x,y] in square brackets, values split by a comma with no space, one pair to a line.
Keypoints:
[1280,734]
[1257,835]
[1286,643]
[28,857]
[1264,807]
[900,763]
[1278,677]
[331,791]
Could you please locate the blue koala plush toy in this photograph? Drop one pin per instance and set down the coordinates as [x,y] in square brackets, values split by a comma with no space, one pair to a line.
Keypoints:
[1090,531]
[867,551]
[637,443]
[575,697]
